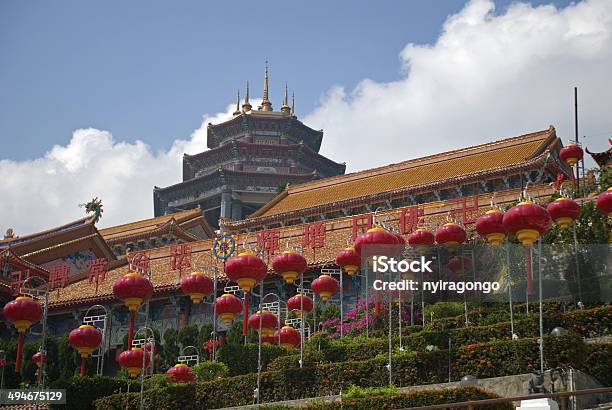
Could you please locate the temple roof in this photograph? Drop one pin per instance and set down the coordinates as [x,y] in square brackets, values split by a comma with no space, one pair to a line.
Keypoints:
[178,222]
[497,156]
[55,243]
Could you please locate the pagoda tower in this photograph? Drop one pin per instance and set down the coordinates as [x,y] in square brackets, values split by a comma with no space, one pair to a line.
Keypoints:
[251,158]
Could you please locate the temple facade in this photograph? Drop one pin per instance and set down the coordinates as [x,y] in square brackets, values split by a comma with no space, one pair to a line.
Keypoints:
[251,158]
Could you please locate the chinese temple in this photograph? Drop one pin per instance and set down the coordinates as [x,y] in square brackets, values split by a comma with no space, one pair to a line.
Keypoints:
[251,157]
[320,216]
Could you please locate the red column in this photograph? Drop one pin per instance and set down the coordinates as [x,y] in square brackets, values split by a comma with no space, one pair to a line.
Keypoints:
[83,366]
[245,315]
[528,270]
[131,329]
[19,352]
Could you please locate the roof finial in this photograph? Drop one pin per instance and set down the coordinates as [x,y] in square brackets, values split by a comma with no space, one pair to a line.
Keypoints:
[285,107]
[292,103]
[266,105]
[237,112]
[246,107]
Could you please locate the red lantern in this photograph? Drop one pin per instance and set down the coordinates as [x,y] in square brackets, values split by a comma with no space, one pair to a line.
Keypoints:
[180,373]
[491,227]
[289,264]
[421,239]
[349,260]
[571,154]
[300,303]
[450,235]
[563,211]
[246,269]
[197,286]
[269,323]
[228,306]
[289,337]
[38,358]
[85,339]
[381,241]
[131,360]
[604,202]
[325,286]
[22,313]
[527,221]
[458,265]
[132,289]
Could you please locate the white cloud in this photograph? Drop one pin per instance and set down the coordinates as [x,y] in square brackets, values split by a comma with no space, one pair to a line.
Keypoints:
[487,76]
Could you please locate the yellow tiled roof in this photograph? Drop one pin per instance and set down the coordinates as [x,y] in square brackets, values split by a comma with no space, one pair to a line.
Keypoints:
[439,167]
[146,225]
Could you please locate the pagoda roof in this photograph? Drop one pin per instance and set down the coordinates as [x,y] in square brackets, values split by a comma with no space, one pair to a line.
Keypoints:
[52,244]
[16,263]
[430,172]
[79,292]
[253,121]
[178,223]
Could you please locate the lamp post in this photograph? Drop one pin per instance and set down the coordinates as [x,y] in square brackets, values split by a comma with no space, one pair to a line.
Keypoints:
[261,301]
[145,356]
[100,322]
[38,292]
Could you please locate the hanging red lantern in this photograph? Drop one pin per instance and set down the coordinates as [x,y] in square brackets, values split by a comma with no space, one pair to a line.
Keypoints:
[527,221]
[571,154]
[289,337]
[289,264]
[459,265]
[349,260]
[38,358]
[269,323]
[85,339]
[379,240]
[131,360]
[180,373]
[228,306]
[563,211]
[22,313]
[324,286]
[421,239]
[604,202]
[246,269]
[132,289]
[300,303]
[450,235]
[197,286]
[491,227]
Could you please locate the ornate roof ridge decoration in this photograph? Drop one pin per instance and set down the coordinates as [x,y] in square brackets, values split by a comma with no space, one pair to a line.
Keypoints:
[9,257]
[170,226]
[257,220]
[601,158]
[232,172]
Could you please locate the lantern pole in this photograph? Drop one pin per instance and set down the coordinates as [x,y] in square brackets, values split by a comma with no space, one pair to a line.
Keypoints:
[399,318]
[301,320]
[261,299]
[146,329]
[389,297]
[540,303]
[509,277]
[214,332]
[42,350]
[580,304]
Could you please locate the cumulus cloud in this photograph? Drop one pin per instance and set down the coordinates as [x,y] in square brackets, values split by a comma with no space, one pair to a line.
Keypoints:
[489,75]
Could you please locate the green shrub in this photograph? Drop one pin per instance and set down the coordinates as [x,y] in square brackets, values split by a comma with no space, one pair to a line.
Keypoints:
[206,371]
[243,359]
[443,309]
[82,391]
[598,362]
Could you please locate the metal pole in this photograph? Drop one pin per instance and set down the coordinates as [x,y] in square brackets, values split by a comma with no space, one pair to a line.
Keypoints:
[367,304]
[465,309]
[261,290]
[341,306]
[422,299]
[214,346]
[399,317]
[576,134]
[43,350]
[302,320]
[540,297]
[389,341]
[577,264]
[411,308]
[449,359]
[144,353]
[509,289]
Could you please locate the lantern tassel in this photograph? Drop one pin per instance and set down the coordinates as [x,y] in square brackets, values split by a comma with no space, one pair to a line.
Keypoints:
[19,352]
[83,366]
[131,329]
[245,314]
[528,270]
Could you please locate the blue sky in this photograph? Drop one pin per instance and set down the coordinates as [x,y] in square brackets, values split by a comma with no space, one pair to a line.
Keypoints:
[149,70]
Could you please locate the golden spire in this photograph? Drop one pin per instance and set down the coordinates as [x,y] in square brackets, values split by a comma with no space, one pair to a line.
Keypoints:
[246,107]
[266,105]
[285,107]
[237,112]
[292,103]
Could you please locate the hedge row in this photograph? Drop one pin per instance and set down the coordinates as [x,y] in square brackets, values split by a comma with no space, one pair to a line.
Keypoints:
[414,368]
[82,391]
[242,359]
[598,362]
